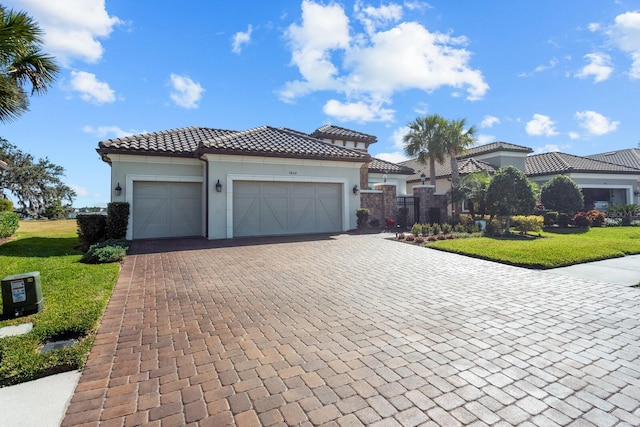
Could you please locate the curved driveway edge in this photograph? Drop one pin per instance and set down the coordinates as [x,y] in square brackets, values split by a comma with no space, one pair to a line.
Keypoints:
[355,330]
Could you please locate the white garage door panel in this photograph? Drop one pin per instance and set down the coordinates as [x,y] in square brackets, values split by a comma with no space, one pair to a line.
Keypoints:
[166,209]
[276,208]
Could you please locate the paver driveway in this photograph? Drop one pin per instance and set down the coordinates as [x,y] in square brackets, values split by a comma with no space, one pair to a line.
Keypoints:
[353,330]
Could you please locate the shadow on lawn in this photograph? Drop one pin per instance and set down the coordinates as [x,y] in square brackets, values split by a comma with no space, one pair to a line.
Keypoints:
[567,230]
[40,247]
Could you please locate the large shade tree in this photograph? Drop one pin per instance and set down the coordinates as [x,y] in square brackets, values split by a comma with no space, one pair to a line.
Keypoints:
[35,185]
[425,141]
[510,193]
[24,69]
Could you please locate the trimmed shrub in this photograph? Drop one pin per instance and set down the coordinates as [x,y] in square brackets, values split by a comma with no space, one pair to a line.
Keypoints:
[363,217]
[563,220]
[8,223]
[550,218]
[117,220]
[596,218]
[435,229]
[562,194]
[6,205]
[528,223]
[581,220]
[446,228]
[374,223]
[91,228]
[107,251]
[416,230]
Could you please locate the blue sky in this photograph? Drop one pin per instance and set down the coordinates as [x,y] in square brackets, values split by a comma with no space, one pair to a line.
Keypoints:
[551,75]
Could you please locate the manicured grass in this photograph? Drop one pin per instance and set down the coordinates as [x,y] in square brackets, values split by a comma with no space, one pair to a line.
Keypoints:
[554,249]
[75,295]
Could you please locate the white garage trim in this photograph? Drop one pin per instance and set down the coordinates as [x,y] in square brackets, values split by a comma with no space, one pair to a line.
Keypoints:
[287,178]
[130,178]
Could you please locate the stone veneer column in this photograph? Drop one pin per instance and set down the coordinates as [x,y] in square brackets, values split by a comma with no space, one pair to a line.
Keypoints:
[389,203]
[429,199]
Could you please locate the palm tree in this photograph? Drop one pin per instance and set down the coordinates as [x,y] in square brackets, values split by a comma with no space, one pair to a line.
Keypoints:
[21,63]
[456,140]
[425,140]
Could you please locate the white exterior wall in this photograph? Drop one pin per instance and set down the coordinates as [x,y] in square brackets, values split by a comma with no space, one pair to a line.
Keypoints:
[125,169]
[228,169]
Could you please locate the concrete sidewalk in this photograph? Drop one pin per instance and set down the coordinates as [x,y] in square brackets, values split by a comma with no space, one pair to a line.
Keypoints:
[624,271]
[41,402]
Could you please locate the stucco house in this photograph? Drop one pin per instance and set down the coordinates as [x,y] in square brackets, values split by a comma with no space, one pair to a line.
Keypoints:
[219,184]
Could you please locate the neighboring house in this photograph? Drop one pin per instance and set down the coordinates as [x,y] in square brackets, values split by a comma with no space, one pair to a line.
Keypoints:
[603,184]
[381,171]
[605,179]
[222,184]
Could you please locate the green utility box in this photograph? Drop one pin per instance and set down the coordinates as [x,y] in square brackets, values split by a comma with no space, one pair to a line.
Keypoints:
[21,294]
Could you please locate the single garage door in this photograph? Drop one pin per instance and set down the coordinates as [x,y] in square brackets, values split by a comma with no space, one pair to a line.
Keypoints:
[278,208]
[167,209]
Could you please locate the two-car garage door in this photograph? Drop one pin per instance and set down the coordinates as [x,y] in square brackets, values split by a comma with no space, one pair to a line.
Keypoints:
[280,208]
[166,209]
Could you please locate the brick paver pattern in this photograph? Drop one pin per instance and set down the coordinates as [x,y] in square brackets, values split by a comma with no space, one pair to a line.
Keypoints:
[355,330]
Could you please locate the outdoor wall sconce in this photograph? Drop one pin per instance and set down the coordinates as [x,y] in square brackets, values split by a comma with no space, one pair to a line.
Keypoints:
[423,178]
[118,189]
[384,177]
[355,189]
[218,187]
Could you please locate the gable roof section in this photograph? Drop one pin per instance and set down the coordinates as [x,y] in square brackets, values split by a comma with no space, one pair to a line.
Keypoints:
[628,157]
[465,166]
[382,166]
[561,163]
[175,142]
[337,132]
[280,142]
[261,141]
[495,147]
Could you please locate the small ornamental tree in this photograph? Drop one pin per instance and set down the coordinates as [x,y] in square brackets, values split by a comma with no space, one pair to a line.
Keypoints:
[562,194]
[510,193]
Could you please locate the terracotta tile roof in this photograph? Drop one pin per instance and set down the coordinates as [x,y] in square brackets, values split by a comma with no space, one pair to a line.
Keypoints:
[627,157]
[465,166]
[562,163]
[337,132]
[261,141]
[269,141]
[382,166]
[183,141]
[493,147]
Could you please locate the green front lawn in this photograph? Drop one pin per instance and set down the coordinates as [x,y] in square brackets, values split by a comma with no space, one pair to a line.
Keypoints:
[75,295]
[554,249]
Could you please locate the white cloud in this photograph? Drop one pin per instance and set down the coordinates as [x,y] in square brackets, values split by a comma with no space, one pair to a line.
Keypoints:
[485,139]
[547,148]
[625,35]
[397,137]
[395,157]
[73,28]
[540,68]
[90,88]
[374,17]
[357,111]
[541,125]
[489,121]
[574,135]
[595,123]
[330,55]
[185,92]
[109,131]
[593,27]
[599,67]
[80,191]
[240,39]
